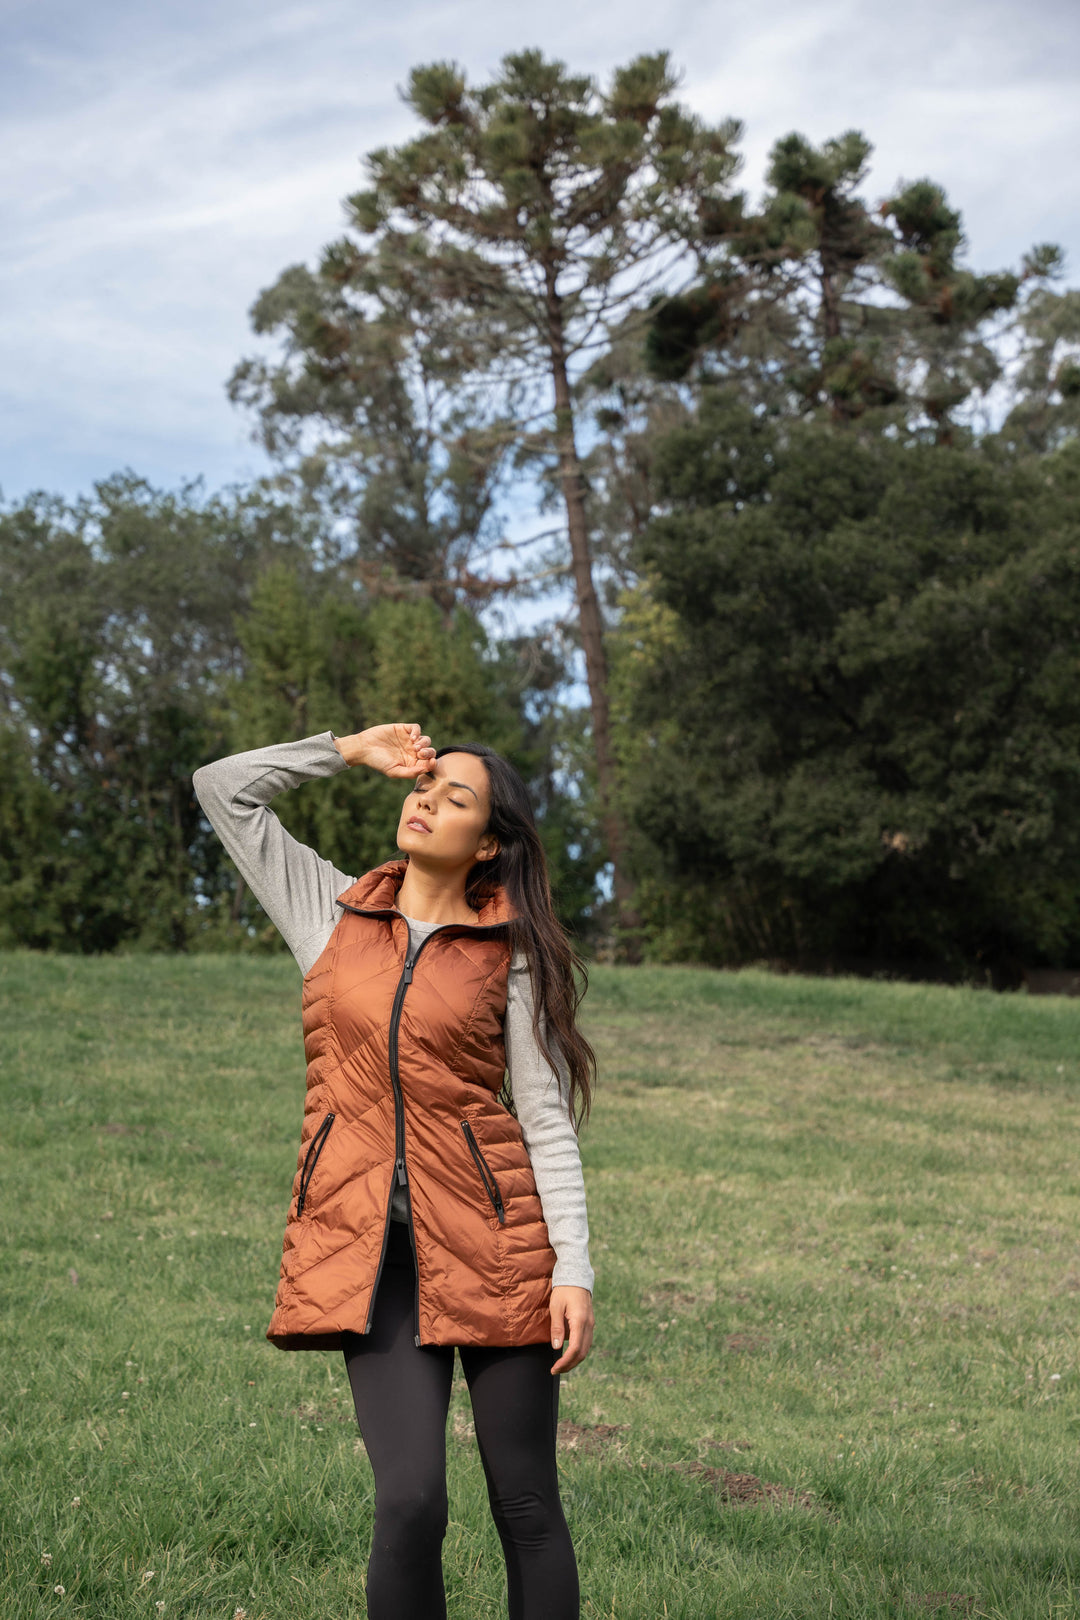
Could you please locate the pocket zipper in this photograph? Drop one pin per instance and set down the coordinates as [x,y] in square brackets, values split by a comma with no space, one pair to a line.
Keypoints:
[316,1145]
[491,1186]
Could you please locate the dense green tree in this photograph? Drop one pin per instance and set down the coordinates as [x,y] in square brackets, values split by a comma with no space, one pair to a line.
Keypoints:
[848,695]
[31,848]
[116,628]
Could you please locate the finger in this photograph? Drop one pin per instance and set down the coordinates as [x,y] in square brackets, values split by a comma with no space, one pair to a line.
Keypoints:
[558,1335]
[586,1338]
[577,1348]
[572,1354]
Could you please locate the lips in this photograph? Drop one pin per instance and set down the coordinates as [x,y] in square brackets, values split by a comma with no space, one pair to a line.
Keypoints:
[415,821]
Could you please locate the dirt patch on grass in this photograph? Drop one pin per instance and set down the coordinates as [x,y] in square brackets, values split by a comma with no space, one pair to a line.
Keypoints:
[744,1343]
[462,1428]
[589,1437]
[311,1412]
[671,1297]
[747,1490]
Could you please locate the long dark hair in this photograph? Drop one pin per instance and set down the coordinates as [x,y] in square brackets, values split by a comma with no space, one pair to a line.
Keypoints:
[554,966]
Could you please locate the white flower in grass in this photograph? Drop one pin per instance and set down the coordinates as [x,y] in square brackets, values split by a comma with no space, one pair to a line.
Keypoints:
[76,1501]
[148,1575]
[159,1605]
[46,1559]
[239,1614]
[59,1590]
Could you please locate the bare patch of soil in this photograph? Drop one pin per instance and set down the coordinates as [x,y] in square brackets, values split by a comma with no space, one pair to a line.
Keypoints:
[673,1299]
[747,1490]
[594,1437]
[311,1412]
[462,1428]
[742,1343]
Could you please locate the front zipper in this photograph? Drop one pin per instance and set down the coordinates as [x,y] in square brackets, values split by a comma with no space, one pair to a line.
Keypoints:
[491,1186]
[315,1147]
[400,1173]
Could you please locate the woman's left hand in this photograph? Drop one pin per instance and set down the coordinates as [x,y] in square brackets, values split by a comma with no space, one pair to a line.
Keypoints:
[571,1318]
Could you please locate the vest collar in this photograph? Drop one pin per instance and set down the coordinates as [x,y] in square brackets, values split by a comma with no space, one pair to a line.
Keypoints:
[376,893]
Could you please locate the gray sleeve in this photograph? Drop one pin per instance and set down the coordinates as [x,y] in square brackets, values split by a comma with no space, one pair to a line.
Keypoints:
[543,1111]
[295,886]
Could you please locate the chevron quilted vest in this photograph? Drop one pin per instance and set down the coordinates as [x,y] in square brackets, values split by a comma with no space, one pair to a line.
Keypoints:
[405,1058]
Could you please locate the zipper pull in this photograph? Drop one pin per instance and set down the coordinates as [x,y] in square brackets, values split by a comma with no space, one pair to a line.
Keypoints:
[406,977]
[402,1179]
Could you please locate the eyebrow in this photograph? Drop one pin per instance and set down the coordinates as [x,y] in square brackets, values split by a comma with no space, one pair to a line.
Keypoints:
[464,785]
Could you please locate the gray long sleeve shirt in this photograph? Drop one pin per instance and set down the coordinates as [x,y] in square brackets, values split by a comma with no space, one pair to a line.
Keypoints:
[298,889]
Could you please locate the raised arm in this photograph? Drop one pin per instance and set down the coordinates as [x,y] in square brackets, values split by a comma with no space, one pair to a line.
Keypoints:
[295,886]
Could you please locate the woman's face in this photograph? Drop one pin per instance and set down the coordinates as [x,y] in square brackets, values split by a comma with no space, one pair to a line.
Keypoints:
[444,816]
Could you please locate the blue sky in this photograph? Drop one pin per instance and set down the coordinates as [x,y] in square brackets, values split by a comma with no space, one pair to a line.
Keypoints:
[162,163]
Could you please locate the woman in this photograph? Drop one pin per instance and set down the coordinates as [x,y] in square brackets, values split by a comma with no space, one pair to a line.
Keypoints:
[424,1214]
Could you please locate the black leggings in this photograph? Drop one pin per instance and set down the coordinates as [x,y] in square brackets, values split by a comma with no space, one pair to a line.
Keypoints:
[402,1395]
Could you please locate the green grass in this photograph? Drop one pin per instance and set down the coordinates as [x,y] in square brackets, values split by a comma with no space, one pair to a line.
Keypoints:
[835,1230]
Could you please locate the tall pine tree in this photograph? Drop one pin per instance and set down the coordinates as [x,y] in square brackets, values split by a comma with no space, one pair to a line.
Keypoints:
[541,210]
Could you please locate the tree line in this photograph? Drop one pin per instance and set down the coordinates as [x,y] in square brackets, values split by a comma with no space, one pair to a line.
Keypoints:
[805,479]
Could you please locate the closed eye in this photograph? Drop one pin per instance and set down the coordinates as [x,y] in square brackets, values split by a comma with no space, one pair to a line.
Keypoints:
[416,789]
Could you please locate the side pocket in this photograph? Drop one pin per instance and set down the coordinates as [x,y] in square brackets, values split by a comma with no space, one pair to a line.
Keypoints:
[311,1159]
[491,1186]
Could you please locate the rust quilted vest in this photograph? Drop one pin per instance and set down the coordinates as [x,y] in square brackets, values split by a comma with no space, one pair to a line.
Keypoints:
[403,1070]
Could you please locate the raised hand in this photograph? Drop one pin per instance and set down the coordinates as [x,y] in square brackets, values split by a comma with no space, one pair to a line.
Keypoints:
[397,750]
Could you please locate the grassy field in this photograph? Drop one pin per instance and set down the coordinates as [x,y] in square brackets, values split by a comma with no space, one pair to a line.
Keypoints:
[835,1229]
